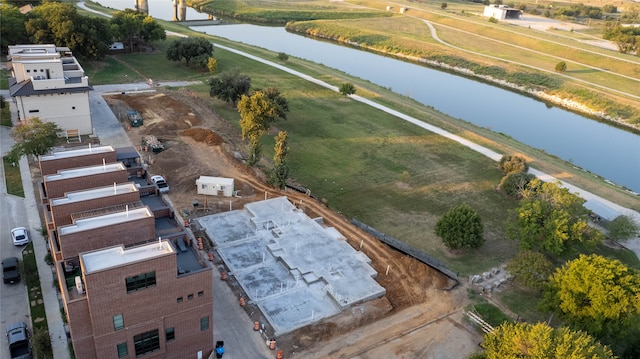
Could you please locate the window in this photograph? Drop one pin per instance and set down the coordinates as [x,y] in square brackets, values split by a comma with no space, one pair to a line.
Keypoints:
[34,111]
[122,350]
[200,293]
[146,343]
[179,300]
[190,296]
[142,281]
[170,334]
[204,323]
[118,322]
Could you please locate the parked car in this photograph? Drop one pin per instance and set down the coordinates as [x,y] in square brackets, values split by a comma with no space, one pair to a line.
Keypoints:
[10,270]
[19,341]
[20,236]
[134,118]
[162,184]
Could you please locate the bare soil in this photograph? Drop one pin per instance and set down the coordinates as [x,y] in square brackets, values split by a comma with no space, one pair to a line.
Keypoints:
[417,318]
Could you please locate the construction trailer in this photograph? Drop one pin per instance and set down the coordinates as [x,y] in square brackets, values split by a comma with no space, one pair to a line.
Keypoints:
[215,186]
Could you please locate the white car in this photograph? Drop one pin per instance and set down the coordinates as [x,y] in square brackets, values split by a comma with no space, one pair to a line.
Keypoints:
[161,183]
[20,236]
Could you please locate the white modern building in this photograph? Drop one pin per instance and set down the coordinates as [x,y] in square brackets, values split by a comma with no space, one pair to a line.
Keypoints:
[49,83]
[502,12]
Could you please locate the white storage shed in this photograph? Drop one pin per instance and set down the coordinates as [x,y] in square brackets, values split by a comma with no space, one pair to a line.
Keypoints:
[215,186]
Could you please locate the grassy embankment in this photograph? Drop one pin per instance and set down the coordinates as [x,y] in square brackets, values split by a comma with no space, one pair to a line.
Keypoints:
[474,41]
[381,170]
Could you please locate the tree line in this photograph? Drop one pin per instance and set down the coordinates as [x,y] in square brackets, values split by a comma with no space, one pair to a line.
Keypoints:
[88,37]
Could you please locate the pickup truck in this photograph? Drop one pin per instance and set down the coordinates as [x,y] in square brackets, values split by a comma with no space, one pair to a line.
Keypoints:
[134,118]
[19,342]
[162,184]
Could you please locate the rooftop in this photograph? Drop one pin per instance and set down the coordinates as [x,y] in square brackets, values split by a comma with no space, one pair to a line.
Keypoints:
[84,171]
[117,256]
[98,192]
[76,152]
[294,268]
[220,180]
[86,224]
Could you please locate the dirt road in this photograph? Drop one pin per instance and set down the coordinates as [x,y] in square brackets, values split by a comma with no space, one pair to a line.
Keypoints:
[415,319]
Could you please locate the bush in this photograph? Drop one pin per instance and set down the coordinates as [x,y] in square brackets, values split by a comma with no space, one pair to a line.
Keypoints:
[461,227]
[513,163]
[514,183]
[561,66]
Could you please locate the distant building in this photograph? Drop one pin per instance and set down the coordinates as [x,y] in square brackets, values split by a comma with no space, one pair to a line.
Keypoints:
[49,83]
[125,291]
[502,12]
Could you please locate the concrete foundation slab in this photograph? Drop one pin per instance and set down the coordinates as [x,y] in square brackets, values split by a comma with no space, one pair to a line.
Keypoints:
[295,269]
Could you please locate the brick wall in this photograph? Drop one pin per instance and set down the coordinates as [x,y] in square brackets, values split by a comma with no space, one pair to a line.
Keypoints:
[52,166]
[61,214]
[57,188]
[152,308]
[127,233]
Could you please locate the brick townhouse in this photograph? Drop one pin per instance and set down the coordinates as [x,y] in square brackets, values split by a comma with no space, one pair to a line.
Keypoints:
[126,292]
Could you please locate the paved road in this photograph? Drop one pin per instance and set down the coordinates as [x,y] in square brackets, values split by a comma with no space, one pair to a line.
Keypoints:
[13,297]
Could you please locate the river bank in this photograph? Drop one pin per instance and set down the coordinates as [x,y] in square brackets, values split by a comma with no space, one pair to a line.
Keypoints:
[541,94]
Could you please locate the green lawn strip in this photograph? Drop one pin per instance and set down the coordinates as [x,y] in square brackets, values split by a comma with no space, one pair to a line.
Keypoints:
[524,302]
[36,303]
[5,116]
[12,177]
[491,314]
[4,79]
[110,71]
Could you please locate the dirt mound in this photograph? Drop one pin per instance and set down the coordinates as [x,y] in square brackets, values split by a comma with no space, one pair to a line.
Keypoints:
[203,135]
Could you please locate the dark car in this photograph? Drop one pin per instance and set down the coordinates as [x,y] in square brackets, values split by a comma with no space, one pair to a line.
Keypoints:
[134,118]
[10,270]
[19,341]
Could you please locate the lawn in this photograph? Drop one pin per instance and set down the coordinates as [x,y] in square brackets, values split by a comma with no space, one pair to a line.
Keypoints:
[12,177]
[38,314]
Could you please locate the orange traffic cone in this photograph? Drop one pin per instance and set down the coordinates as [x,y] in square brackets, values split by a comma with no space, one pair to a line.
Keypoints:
[279,356]
[210,257]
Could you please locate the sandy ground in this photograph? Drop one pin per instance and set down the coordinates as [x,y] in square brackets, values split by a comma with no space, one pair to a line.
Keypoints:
[417,318]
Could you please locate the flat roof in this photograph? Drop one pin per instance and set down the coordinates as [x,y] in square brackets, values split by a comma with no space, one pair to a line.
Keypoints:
[117,256]
[84,171]
[98,192]
[76,152]
[209,179]
[111,219]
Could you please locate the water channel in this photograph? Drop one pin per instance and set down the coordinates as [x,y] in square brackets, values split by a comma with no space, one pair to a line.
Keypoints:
[599,148]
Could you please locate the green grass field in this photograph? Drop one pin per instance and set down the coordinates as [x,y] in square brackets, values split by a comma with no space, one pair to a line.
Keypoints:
[12,178]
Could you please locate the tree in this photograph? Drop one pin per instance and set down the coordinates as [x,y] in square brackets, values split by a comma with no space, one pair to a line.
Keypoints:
[561,66]
[347,89]
[622,228]
[550,217]
[515,183]
[257,113]
[513,163]
[152,30]
[229,86]
[540,341]
[127,25]
[280,168]
[212,65]
[282,56]
[443,6]
[41,342]
[188,48]
[531,269]
[12,30]
[33,137]
[596,294]
[460,227]
[60,24]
